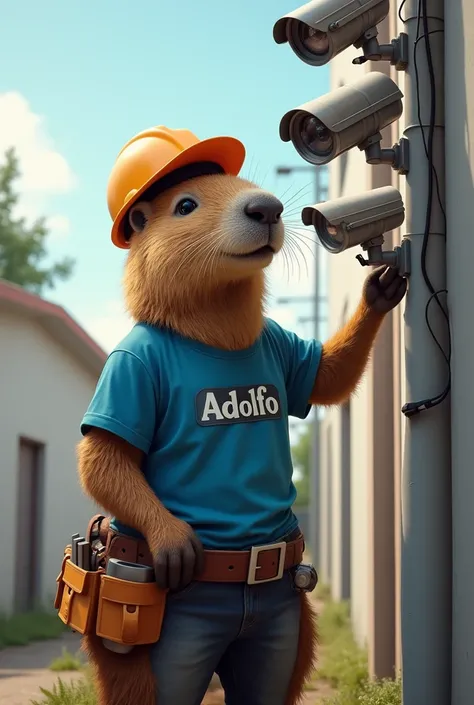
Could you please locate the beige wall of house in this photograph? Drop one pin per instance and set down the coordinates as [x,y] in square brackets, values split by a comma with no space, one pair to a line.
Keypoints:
[44,393]
[348,174]
[376,427]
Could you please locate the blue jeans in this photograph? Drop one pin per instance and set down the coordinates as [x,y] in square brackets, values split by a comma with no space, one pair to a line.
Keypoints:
[247,634]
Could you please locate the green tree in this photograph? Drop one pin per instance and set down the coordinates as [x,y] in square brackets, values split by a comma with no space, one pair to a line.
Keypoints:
[301,461]
[23,247]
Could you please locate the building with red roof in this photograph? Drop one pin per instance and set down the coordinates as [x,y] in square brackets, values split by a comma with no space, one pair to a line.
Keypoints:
[49,367]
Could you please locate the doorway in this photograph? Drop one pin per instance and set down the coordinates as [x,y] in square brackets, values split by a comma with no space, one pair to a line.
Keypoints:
[29,524]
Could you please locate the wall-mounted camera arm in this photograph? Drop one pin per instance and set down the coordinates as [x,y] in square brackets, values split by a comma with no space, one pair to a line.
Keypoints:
[398,156]
[396,52]
[398,258]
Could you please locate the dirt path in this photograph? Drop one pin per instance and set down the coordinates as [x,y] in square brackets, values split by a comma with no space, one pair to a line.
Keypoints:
[313,697]
[24,669]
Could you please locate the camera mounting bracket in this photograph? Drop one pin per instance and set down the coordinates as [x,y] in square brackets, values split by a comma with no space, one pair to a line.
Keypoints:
[398,258]
[398,156]
[396,52]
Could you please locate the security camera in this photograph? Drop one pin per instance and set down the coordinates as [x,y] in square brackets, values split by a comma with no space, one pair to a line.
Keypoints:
[350,116]
[353,220]
[321,29]
[362,220]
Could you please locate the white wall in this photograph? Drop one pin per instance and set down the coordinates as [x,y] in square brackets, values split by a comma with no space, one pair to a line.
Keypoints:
[44,394]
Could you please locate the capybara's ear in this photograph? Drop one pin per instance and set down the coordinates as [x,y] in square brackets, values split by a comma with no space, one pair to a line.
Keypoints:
[139,215]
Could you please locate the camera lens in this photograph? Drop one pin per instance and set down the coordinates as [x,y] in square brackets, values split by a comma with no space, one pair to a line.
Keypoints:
[311,45]
[331,237]
[313,40]
[316,137]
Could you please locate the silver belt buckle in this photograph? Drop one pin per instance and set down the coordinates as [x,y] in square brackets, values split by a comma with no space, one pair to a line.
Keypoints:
[255,552]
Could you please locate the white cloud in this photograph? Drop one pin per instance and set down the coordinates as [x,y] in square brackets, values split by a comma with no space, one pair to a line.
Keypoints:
[44,171]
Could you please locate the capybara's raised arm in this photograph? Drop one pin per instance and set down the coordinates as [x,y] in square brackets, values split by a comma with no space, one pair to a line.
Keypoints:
[345,356]
[110,473]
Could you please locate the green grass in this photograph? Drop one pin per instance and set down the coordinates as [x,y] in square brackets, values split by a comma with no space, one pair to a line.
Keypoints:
[343,664]
[67,662]
[383,692]
[74,693]
[21,629]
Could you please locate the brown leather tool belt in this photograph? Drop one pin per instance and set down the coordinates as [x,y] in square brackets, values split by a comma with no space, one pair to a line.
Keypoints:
[260,564]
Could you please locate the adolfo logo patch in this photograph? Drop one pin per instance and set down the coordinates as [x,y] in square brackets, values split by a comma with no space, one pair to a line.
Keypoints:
[230,405]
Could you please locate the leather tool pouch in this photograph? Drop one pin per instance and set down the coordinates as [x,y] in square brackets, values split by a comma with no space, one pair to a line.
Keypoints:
[130,613]
[93,602]
[77,596]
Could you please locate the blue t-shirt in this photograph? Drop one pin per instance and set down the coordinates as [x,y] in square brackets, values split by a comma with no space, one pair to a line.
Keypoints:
[213,425]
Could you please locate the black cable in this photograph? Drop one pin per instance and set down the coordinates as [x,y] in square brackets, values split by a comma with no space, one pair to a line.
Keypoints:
[432,173]
[413,408]
[429,203]
[435,173]
[434,31]
[400,12]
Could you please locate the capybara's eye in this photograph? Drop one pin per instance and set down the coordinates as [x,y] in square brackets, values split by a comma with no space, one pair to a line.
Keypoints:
[186,206]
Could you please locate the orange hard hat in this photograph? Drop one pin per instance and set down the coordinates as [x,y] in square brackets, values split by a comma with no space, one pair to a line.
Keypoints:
[154,153]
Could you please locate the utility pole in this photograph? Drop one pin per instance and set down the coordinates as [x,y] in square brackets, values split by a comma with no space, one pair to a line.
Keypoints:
[426,475]
[320,194]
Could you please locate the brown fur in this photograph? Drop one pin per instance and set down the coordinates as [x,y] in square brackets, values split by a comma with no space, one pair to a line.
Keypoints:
[176,276]
[345,356]
[120,679]
[306,659]
[171,276]
[110,472]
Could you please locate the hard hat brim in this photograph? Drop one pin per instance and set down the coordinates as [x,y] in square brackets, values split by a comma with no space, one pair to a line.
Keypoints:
[227,152]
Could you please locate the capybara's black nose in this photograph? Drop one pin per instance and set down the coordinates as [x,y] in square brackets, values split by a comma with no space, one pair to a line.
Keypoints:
[264,208]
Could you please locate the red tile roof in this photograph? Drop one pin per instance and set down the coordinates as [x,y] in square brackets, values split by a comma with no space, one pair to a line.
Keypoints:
[56,320]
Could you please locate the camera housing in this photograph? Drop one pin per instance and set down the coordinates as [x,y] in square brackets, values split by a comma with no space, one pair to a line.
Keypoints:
[322,29]
[362,219]
[353,220]
[350,116]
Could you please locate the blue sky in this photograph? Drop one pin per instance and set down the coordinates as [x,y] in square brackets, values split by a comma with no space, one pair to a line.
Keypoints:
[97,73]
